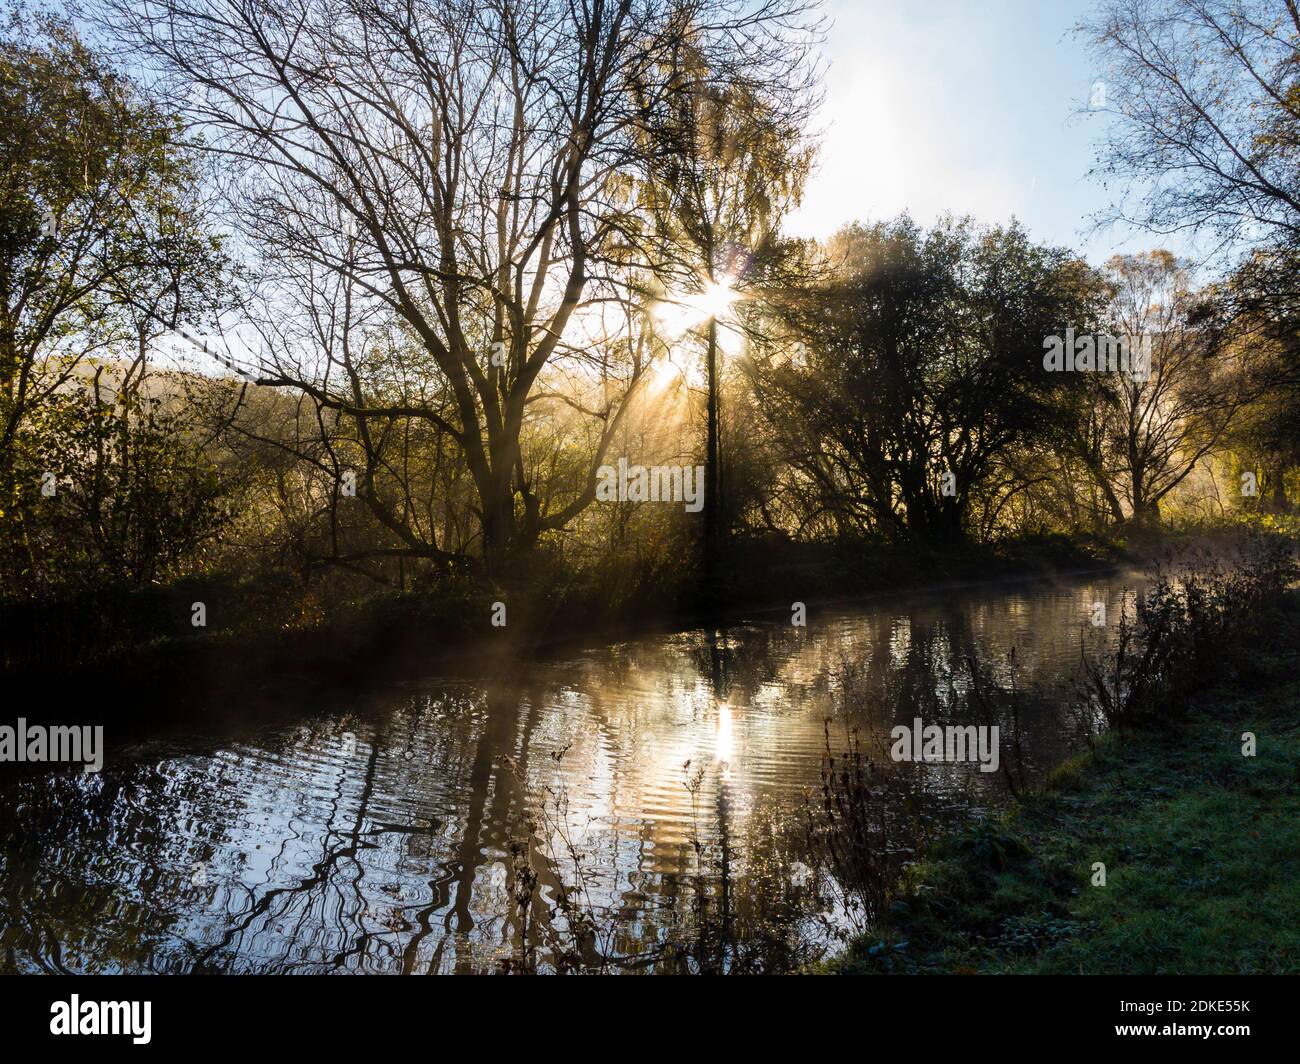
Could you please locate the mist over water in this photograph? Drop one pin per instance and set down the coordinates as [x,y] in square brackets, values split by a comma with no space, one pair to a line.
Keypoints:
[377,838]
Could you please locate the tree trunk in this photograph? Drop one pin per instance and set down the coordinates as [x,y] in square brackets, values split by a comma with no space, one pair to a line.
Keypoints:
[1277,489]
[498,527]
[712,477]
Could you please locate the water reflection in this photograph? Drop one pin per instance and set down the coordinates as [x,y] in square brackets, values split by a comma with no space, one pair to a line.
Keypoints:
[664,778]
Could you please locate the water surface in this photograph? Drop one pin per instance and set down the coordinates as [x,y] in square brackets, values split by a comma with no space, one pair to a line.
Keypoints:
[661,785]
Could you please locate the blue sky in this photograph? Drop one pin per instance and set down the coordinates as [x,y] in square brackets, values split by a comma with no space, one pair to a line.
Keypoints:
[966,106]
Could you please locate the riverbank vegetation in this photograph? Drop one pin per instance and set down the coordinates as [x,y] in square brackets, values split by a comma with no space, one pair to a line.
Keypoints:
[271,343]
[1170,846]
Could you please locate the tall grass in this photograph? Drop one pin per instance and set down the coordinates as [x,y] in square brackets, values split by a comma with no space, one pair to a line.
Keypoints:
[850,827]
[1192,624]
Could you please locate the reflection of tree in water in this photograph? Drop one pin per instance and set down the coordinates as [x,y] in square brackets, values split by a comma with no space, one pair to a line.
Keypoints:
[63,909]
[435,933]
[395,854]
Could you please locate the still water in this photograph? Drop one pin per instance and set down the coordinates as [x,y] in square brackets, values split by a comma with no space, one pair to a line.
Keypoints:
[660,786]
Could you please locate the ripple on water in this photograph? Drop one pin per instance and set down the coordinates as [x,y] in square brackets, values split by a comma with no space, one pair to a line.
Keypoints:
[380,839]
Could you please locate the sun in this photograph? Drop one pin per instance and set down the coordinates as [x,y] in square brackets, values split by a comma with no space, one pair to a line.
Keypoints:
[681,311]
[717,298]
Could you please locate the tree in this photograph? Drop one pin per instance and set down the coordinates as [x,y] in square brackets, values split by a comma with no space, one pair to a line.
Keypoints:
[1258,320]
[1206,94]
[102,244]
[1141,435]
[728,157]
[463,172]
[923,371]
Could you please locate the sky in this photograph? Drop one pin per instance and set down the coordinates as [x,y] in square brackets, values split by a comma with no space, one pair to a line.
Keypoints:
[968,106]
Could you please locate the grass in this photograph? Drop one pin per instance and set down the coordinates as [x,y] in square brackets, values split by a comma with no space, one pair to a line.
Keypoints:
[1201,847]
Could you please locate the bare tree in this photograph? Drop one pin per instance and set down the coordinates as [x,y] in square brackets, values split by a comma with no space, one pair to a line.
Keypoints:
[464,172]
[1207,97]
[1143,434]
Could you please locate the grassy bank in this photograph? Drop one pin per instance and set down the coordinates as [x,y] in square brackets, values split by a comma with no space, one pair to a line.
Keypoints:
[1201,847]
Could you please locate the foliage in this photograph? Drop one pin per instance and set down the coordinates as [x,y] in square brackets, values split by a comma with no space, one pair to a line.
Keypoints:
[102,244]
[924,361]
[133,498]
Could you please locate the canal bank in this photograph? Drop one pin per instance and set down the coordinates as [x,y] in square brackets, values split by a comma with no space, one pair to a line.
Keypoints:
[1167,851]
